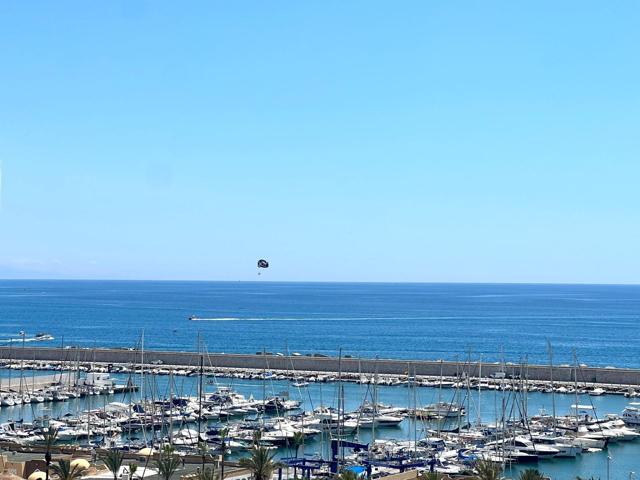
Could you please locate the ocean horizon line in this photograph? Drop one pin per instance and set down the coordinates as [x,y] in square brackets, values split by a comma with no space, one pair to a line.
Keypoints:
[321,282]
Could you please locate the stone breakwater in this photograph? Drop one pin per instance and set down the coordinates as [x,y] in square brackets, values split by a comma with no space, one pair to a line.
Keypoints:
[302,364]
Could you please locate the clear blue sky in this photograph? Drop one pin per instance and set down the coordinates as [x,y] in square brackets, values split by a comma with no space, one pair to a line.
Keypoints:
[492,141]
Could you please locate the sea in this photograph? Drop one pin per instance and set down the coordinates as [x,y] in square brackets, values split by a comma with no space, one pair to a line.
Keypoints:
[498,322]
[597,324]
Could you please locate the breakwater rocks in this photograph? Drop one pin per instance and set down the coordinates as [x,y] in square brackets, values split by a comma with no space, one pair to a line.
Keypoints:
[583,374]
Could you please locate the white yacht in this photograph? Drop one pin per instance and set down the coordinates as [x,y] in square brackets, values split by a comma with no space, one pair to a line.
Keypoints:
[542,450]
[97,380]
[583,438]
[282,431]
[372,420]
[226,402]
[620,429]
[631,414]
[564,446]
[186,437]
[443,410]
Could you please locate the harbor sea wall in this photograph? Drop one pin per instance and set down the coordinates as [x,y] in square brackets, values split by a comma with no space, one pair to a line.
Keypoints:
[614,376]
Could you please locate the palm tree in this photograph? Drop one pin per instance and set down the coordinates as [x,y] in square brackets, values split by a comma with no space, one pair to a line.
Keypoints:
[223,446]
[50,436]
[113,461]
[531,474]
[297,441]
[132,469]
[488,470]
[429,476]
[203,450]
[65,471]
[347,475]
[260,462]
[256,437]
[208,473]
[167,463]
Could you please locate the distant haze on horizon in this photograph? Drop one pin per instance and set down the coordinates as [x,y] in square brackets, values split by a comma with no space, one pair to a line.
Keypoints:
[342,141]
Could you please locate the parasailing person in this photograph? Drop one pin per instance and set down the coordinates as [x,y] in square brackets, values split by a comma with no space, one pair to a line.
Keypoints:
[262,263]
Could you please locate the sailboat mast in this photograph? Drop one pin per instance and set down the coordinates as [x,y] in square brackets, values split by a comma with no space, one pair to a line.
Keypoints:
[264,387]
[143,394]
[340,405]
[469,386]
[22,363]
[440,395]
[200,397]
[479,390]
[415,416]
[375,405]
[575,381]
[171,406]
[553,389]
[10,357]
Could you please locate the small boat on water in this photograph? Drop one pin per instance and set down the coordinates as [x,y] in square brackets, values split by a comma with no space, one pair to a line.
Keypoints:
[300,382]
[43,336]
[38,337]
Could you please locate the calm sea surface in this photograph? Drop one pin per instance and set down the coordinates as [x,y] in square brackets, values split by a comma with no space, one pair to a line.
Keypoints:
[625,456]
[428,321]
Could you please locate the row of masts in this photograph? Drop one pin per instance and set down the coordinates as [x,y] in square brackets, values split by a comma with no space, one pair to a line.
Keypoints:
[513,403]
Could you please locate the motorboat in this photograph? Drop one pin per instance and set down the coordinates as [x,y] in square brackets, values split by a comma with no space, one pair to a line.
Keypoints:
[227,402]
[42,337]
[525,445]
[277,404]
[631,414]
[283,432]
[564,447]
[186,437]
[619,428]
[60,396]
[372,420]
[443,410]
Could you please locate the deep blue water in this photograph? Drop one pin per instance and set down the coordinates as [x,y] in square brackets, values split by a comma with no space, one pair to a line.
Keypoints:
[427,321]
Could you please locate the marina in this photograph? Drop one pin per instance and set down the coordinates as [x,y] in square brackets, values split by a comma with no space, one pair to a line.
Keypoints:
[444,423]
[318,409]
